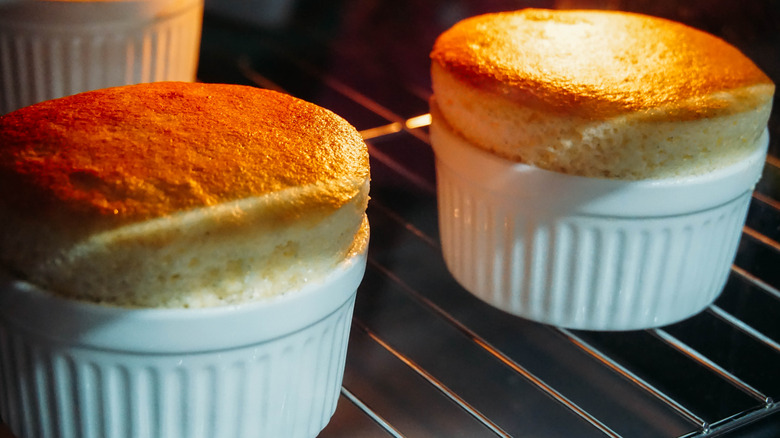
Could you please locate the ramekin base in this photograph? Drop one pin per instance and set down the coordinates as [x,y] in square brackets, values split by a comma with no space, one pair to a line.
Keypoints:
[588,253]
[271,368]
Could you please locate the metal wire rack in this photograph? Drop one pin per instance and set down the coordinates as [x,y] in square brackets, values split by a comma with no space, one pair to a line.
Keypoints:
[426,359]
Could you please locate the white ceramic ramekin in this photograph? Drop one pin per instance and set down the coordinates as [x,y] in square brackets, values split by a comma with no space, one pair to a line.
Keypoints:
[588,253]
[271,368]
[55,48]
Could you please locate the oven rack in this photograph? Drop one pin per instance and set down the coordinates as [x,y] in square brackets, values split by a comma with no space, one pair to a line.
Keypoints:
[428,359]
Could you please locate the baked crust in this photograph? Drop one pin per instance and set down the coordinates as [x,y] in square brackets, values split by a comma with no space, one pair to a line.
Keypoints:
[143,151]
[599,93]
[599,64]
[179,194]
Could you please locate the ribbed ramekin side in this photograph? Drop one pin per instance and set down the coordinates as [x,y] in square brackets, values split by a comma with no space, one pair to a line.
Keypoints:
[39,63]
[166,50]
[288,386]
[585,271]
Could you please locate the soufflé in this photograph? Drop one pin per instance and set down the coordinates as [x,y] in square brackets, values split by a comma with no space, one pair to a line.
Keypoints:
[178,194]
[594,167]
[177,260]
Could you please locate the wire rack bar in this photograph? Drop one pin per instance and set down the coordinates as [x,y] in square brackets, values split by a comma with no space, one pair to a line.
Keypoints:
[766,287]
[371,414]
[744,327]
[432,380]
[632,377]
[708,363]
[516,367]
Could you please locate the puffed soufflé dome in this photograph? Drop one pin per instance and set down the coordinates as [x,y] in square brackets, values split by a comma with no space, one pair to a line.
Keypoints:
[178,194]
[599,93]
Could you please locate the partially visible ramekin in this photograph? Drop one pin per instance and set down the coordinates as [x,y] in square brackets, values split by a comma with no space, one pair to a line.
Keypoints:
[55,48]
[588,253]
[270,368]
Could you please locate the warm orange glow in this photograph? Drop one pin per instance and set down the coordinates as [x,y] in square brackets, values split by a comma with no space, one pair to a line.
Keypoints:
[595,63]
[419,121]
[391,128]
[149,150]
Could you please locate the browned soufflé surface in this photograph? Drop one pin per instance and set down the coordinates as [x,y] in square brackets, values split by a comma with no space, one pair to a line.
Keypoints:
[149,150]
[595,63]
[598,93]
[179,194]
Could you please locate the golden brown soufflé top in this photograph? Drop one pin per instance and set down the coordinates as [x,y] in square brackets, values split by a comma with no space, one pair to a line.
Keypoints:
[143,151]
[595,63]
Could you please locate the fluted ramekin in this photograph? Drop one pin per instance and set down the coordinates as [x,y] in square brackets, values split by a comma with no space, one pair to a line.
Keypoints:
[55,48]
[270,368]
[588,253]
